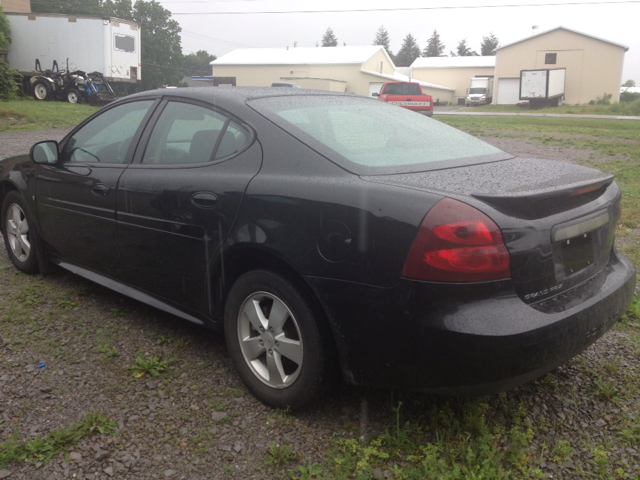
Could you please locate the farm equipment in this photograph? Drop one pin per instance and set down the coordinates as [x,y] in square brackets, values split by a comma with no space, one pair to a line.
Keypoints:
[56,84]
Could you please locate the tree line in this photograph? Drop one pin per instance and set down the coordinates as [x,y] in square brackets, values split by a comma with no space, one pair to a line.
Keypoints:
[410,50]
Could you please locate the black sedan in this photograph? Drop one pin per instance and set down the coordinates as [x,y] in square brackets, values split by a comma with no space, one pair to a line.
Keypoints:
[323,231]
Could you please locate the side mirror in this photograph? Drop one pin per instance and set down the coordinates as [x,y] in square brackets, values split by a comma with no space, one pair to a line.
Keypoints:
[45,152]
[375,94]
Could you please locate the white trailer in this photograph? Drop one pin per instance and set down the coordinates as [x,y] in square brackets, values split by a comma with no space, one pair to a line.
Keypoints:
[103,44]
[545,85]
[480,92]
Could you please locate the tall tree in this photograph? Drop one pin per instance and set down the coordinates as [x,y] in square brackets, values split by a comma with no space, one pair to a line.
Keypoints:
[329,39]
[197,63]
[69,7]
[5,30]
[119,8]
[629,83]
[161,49]
[489,45]
[382,38]
[434,47]
[463,49]
[408,52]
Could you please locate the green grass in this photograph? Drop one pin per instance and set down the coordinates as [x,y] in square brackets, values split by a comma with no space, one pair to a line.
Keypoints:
[622,108]
[44,448]
[27,115]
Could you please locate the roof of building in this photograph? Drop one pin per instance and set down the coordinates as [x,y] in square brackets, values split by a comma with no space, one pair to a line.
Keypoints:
[568,30]
[454,62]
[300,56]
[398,77]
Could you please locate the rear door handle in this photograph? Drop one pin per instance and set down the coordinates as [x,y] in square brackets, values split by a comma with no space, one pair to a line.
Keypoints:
[204,199]
[100,189]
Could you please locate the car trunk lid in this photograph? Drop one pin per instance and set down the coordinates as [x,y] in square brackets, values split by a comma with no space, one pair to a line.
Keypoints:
[557,219]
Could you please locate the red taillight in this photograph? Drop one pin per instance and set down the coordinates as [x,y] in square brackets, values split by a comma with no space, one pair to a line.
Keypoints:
[457,243]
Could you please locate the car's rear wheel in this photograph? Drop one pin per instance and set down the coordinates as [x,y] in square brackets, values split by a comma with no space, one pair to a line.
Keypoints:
[19,236]
[275,339]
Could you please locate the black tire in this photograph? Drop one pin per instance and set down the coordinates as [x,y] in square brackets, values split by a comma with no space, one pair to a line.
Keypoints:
[19,233]
[73,96]
[42,90]
[302,335]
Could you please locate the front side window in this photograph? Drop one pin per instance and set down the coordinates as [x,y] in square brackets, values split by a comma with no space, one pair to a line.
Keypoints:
[106,138]
[187,133]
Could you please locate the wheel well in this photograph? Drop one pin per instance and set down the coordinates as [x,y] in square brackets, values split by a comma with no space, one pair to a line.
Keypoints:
[240,260]
[5,187]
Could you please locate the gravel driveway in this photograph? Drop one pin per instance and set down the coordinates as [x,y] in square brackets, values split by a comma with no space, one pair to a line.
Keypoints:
[197,421]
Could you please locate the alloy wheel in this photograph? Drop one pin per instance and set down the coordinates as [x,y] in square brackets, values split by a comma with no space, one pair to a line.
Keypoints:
[270,340]
[18,232]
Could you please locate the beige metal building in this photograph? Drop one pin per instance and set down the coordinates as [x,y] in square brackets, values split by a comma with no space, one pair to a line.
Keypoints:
[359,69]
[594,65]
[16,6]
[454,72]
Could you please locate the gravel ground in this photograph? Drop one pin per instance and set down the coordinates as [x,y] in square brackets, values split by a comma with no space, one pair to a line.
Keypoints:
[17,143]
[197,421]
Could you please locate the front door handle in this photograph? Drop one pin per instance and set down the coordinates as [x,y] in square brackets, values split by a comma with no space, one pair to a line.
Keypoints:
[100,190]
[204,199]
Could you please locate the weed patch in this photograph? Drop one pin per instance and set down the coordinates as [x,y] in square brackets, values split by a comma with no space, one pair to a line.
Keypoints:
[154,366]
[44,448]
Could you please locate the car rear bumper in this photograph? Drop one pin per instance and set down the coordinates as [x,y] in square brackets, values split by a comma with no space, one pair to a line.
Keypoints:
[465,339]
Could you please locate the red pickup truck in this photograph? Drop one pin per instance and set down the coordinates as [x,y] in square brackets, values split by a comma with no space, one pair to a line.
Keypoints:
[407,95]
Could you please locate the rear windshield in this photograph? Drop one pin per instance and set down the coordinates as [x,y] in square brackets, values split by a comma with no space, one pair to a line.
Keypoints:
[370,137]
[402,89]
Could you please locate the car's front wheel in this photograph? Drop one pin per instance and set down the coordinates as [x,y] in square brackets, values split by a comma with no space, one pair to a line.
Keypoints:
[276,340]
[19,234]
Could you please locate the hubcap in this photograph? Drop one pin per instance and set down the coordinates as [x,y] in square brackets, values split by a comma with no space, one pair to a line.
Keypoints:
[73,97]
[270,340]
[18,232]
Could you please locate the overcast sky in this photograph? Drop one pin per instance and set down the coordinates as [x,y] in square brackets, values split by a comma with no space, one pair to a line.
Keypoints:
[220,34]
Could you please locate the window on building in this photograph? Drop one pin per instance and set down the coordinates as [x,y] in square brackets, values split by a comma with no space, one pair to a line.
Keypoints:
[550,58]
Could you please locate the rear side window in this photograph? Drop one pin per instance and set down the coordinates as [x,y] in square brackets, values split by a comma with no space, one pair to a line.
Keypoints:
[402,89]
[367,137]
[187,133]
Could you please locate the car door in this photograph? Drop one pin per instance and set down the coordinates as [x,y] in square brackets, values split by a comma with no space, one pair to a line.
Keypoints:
[178,199]
[76,197]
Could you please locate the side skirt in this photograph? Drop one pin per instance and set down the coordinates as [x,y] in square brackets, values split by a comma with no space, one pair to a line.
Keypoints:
[126,290]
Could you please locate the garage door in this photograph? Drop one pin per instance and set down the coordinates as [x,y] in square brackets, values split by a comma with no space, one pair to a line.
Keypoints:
[374,87]
[508,91]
